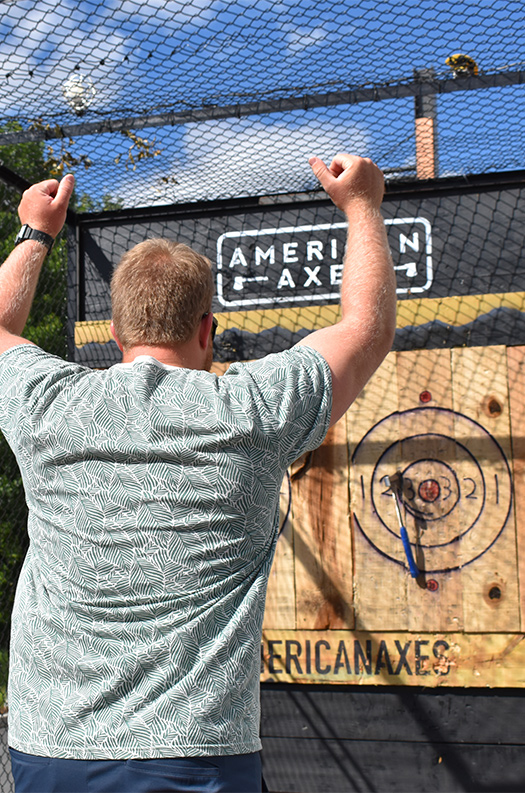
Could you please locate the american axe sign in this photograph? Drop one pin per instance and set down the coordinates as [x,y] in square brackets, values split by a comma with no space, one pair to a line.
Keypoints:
[292,255]
[304,263]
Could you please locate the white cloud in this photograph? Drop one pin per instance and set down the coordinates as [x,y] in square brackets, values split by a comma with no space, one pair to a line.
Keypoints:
[43,43]
[302,38]
[223,159]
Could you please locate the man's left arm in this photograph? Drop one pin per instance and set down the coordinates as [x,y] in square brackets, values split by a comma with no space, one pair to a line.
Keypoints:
[43,207]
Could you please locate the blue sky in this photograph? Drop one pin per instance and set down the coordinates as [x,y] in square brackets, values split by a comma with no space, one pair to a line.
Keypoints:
[159,56]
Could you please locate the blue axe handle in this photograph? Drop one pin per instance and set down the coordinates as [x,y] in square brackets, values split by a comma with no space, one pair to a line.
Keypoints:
[412,566]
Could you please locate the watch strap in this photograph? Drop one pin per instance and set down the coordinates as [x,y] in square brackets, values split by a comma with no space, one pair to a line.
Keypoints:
[28,233]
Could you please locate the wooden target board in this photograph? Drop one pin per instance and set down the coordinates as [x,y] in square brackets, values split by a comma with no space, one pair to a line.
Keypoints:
[342,604]
[446,489]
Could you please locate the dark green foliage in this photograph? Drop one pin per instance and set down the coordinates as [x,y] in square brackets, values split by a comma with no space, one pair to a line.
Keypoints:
[87,204]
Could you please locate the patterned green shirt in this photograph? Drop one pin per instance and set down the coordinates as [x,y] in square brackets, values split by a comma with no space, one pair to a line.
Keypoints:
[153,497]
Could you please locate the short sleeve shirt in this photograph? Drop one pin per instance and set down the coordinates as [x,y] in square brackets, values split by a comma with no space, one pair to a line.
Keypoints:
[153,497]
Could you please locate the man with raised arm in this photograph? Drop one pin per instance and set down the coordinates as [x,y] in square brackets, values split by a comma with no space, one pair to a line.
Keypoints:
[153,495]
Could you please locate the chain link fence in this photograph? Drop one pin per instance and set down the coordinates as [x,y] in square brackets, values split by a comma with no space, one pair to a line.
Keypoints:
[167,110]
[154,103]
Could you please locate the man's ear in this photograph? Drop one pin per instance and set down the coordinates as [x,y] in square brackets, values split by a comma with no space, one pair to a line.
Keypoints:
[112,329]
[205,330]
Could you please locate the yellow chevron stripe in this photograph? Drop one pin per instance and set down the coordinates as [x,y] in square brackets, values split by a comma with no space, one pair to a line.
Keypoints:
[454,311]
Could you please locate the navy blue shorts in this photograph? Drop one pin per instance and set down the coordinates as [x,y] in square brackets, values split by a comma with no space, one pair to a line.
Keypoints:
[240,773]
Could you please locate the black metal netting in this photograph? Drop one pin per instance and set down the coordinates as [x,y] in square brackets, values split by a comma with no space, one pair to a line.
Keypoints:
[159,104]
[154,103]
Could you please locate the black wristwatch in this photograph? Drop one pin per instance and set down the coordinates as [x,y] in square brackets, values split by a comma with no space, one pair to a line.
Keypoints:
[27,233]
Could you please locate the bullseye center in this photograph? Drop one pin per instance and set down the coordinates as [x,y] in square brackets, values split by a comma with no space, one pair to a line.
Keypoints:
[429,490]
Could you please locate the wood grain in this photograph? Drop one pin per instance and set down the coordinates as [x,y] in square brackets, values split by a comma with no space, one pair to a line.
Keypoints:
[321,535]
[380,585]
[280,611]
[490,582]
[394,658]
[516,374]
[434,600]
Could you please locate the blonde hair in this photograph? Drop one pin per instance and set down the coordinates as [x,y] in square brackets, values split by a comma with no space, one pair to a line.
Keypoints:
[159,292]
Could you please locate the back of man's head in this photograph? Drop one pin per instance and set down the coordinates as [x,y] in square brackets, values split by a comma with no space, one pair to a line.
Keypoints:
[159,293]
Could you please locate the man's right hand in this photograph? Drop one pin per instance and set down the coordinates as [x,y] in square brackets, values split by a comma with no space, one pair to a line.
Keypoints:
[44,205]
[350,179]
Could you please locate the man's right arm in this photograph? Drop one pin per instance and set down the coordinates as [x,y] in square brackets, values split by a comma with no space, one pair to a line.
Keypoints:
[355,346]
[43,207]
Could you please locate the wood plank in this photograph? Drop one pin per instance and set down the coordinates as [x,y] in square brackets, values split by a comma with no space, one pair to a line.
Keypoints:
[321,535]
[394,658]
[379,584]
[516,370]
[424,378]
[428,459]
[488,544]
[280,610]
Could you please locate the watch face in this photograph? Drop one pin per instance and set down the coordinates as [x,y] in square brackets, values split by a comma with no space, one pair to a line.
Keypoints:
[21,234]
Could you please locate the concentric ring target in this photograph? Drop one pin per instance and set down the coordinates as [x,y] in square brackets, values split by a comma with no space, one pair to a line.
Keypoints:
[456,487]
[431,488]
